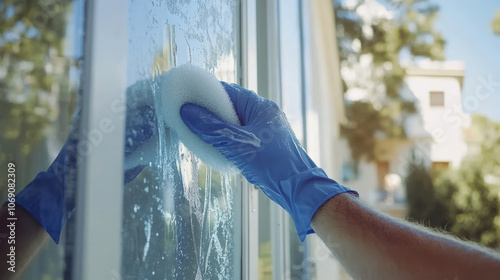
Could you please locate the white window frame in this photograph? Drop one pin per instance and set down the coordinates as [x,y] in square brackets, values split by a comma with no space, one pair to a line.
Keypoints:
[97,253]
[249,193]
[280,241]
[270,49]
[323,94]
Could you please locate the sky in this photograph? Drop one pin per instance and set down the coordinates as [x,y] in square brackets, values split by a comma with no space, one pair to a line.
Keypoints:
[466,27]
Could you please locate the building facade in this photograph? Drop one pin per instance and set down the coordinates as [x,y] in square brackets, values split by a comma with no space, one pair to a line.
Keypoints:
[434,135]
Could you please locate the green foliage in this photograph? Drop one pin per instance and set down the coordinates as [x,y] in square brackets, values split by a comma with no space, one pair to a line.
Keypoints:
[265,261]
[478,207]
[485,134]
[427,201]
[409,31]
[458,201]
[495,24]
[31,34]
[420,191]
[365,121]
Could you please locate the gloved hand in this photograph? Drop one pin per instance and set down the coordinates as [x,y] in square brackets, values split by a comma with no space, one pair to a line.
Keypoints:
[45,197]
[266,151]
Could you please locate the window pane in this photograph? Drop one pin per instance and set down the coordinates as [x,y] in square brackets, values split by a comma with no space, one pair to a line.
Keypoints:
[178,213]
[438,167]
[292,105]
[291,65]
[436,98]
[265,250]
[382,172]
[40,52]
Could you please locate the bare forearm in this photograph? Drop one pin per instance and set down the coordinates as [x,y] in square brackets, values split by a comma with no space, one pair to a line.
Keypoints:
[371,245]
[30,237]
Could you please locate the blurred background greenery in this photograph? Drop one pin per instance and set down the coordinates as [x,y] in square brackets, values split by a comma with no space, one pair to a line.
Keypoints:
[39,78]
[36,91]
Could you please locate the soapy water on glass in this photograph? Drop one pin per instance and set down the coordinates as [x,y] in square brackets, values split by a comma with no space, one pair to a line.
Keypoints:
[176,153]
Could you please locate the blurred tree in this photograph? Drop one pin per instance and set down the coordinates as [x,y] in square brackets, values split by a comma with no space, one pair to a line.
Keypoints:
[484,138]
[459,201]
[420,191]
[34,76]
[495,24]
[32,34]
[374,38]
[478,206]
[428,203]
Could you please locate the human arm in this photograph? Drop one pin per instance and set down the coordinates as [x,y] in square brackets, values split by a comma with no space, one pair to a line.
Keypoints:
[30,237]
[371,245]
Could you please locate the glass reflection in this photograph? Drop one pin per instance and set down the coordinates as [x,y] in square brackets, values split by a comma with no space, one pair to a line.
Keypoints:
[41,45]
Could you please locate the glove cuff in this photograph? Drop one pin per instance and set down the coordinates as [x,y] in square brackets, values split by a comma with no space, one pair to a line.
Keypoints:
[307,191]
[43,203]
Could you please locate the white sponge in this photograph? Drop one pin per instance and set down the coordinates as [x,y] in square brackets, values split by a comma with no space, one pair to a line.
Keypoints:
[191,84]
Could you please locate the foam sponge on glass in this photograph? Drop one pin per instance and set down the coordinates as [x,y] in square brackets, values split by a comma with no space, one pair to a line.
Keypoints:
[191,84]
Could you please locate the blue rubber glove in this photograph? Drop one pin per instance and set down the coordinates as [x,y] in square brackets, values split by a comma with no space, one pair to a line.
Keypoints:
[267,153]
[45,196]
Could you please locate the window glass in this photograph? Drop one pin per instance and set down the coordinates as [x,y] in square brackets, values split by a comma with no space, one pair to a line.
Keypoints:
[265,254]
[436,98]
[292,104]
[290,60]
[289,66]
[178,214]
[265,249]
[382,171]
[40,53]
[438,167]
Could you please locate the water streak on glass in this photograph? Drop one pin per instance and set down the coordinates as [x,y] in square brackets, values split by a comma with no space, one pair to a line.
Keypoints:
[178,213]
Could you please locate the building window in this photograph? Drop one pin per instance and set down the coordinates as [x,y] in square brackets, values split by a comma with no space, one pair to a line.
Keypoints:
[439,166]
[436,98]
[382,171]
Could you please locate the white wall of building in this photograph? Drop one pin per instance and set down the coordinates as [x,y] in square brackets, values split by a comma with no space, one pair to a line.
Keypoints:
[443,125]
